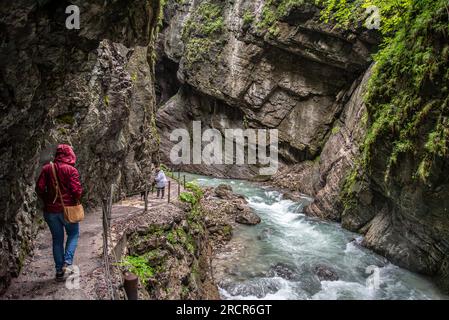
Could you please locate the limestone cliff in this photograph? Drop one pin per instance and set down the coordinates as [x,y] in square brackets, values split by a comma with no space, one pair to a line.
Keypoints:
[234,71]
[91,88]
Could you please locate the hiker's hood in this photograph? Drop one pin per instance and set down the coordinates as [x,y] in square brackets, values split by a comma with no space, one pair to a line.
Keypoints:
[64,153]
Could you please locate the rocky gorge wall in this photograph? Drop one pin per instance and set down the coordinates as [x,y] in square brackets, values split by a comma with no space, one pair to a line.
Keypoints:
[233,71]
[275,64]
[91,88]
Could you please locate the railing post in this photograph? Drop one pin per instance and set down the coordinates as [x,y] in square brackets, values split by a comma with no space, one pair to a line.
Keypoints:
[169,187]
[109,205]
[179,187]
[184,178]
[131,284]
[146,196]
[105,216]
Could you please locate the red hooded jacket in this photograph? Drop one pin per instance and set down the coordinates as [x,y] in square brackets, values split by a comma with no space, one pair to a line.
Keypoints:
[69,181]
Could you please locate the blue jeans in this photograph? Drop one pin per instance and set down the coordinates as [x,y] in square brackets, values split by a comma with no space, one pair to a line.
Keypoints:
[57,224]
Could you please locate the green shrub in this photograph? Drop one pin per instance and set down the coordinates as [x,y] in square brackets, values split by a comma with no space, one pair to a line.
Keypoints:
[139,266]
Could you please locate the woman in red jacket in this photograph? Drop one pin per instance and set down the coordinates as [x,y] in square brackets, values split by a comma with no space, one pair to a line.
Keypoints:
[71,190]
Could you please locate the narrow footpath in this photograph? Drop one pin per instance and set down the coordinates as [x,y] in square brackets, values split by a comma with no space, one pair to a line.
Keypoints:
[37,278]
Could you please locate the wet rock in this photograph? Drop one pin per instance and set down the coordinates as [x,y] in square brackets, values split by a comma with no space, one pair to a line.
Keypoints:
[325,273]
[157,258]
[92,89]
[258,287]
[247,217]
[284,271]
[224,191]
[291,195]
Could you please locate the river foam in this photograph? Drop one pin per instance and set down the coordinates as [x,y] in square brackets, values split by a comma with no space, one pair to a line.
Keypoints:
[280,256]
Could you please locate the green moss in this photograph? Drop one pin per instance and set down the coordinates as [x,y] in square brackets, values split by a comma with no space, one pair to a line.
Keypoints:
[106,100]
[347,190]
[273,11]
[407,94]
[62,131]
[66,118]
[397,99]
[201,32]
[248,17]
[227,230]
[171,237]
[336,129]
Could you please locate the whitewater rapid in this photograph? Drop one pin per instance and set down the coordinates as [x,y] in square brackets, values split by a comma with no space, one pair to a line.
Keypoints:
[289,240]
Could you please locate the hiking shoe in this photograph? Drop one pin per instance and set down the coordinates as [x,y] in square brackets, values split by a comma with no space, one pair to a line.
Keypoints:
[60,276]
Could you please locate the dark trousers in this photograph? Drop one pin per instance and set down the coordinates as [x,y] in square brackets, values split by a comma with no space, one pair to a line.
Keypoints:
[160,190]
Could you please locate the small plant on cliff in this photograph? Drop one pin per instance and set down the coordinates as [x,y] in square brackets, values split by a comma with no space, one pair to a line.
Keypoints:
[407,95]
[248,18]
[139,266]
[188,197]
[273,11]
[201,31]
[67,118]
[195,188]
[106,100]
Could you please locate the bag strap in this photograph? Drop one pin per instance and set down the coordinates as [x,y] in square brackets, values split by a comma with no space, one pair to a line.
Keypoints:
[58,191]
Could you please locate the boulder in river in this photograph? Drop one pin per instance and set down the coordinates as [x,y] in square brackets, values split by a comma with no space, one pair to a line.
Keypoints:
[284,271]
[247,216]
[224,191]
[325,273]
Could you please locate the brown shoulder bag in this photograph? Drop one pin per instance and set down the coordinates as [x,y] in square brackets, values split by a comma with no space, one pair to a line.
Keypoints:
[72,214]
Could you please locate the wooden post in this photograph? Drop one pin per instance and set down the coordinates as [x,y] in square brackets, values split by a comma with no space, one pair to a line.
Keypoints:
[168,195]
[179,187]
[105,226]
[184,178]
[131,284]
[146,196]
[105,211]
[109,210]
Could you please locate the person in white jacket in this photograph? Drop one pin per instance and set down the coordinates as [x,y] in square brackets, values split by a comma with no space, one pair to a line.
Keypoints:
[160,181]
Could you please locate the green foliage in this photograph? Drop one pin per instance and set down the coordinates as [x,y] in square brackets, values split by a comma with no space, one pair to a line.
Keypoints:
[407,95]
[347,195]
[437,142]
[336,129]
[195,188]
[139,266]
[227,230]
[171,237]
[248,17]
[273,11]
[188,197]
[406,89]
[353,13]
[201,31]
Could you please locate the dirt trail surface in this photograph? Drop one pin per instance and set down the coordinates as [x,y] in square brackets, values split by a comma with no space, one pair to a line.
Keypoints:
[36,280]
